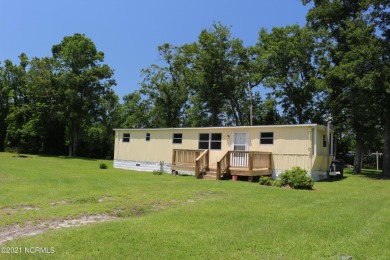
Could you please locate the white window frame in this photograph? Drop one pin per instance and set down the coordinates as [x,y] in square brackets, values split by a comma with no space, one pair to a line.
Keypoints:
[126,139]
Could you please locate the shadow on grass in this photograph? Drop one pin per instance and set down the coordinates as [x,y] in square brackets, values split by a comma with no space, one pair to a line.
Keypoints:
[372,174]
[367,173]
[70,157]
[335,179]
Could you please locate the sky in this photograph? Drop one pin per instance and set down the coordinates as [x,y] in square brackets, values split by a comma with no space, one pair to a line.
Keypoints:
[129,31]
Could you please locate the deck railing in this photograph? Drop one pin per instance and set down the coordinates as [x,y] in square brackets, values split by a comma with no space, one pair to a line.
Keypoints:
[186,160]
[201,163]
[241,162]
[250,159]
[261,160]
[185,156]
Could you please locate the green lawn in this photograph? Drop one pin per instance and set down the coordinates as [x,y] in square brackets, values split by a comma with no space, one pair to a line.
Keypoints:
[177,217]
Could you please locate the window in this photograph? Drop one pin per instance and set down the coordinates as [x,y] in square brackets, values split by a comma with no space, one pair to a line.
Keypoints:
[210,141]
[147,137]
[267,138]
[204,141]
[177,138]
[323,140]
[126,137]
[216,141]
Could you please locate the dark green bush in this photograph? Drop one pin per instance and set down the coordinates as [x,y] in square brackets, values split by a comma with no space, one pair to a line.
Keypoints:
[277,183]
[157,172]
[265,180]
[296,178]
[103,166]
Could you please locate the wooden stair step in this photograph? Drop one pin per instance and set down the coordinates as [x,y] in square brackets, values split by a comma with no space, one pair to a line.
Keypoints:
[209,177]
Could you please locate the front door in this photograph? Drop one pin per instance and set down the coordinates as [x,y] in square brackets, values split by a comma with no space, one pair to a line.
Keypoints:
[240,143]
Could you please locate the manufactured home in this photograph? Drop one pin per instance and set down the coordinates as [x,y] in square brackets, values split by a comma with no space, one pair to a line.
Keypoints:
[217,152]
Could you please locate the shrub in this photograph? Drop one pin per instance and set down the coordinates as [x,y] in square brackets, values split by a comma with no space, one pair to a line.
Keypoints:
[265,180]
[296,178]
[157,172]
[103,166]
[277,183]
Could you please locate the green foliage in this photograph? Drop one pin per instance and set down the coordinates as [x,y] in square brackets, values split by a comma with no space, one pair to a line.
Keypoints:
[103,166]
[287,53]
[156,172]
[48,103]
[135,111]
[166,87]
[355,36]
[84,82]
[265,180]
[296,178]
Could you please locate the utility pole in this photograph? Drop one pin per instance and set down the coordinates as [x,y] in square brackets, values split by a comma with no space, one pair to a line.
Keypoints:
[377,159]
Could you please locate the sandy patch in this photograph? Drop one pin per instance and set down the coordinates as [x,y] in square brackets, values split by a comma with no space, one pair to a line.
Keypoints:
[13,232]
[21,207]
[58,202]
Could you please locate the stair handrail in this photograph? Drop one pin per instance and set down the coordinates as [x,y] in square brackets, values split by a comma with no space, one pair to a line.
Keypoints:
[201,163]
[223,165]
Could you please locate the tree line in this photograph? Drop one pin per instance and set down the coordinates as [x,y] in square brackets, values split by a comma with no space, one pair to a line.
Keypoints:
[338,65]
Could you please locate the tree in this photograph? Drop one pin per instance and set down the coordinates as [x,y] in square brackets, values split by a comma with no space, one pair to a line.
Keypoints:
[357,73]
[99,132]
[4,107]
[13,97]
[252,71]
[84,81]
[288,55]
[166,87]
[266,112]
[381,18]
[214,68]
[44,122]
[135,111]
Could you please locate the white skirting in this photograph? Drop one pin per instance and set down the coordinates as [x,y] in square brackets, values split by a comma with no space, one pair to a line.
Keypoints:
[142,166]
[166,167]
[315,175]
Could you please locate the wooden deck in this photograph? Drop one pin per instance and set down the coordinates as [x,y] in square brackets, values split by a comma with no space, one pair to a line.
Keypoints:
[246,163]
[234,163]
[184,160]
[242,171]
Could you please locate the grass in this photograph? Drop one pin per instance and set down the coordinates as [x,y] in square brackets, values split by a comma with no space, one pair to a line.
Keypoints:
[167,217]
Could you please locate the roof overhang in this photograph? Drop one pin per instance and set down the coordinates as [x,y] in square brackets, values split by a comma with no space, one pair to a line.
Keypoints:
[321,127]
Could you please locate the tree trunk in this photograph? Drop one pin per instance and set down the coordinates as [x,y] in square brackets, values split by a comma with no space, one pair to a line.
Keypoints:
[214,116]
[357,163]
[70,153]
[250,105]
[75,141]
[234,112]
[237,111]
[386,149]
